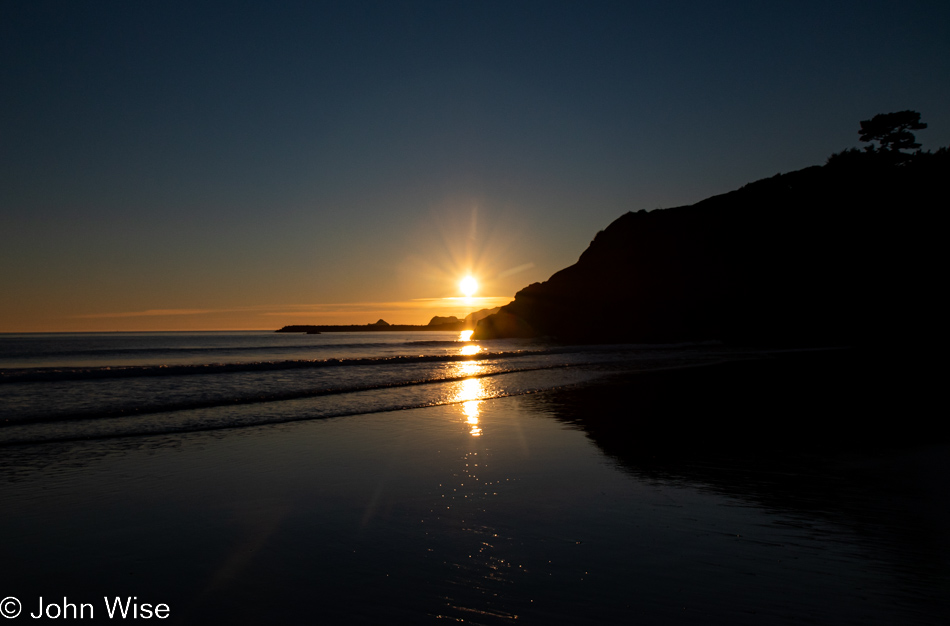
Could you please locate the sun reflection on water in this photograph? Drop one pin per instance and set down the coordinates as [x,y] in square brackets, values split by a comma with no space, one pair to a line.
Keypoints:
[471,390]
[468,368]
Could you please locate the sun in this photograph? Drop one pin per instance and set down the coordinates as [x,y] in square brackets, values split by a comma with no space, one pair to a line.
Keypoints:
[469,286]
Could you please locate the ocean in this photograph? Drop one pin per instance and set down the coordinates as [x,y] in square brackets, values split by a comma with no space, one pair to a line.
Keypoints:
[57,387]
[370,478]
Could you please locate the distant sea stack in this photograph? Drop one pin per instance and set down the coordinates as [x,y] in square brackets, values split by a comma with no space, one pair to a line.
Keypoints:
[844,253]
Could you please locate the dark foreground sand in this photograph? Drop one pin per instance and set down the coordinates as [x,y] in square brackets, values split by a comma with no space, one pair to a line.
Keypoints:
[782,491]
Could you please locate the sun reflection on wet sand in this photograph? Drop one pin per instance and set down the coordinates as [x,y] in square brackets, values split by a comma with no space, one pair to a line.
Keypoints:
[470,409]
[469,395]
[482,555]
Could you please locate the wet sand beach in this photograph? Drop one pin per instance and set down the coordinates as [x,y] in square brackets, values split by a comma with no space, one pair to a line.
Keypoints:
[612,502]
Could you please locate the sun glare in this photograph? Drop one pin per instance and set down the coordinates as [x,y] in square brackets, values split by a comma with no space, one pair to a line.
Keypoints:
[469,286]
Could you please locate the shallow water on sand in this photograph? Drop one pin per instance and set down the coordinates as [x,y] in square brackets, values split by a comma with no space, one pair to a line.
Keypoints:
[487,512]
[97,385]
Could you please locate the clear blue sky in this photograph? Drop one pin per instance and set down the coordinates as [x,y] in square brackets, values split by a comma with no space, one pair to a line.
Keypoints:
[208,165]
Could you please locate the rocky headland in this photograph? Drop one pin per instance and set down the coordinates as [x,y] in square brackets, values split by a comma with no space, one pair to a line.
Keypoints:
[841,254]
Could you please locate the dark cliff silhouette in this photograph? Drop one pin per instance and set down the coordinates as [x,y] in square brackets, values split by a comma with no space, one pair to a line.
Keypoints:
[833,254]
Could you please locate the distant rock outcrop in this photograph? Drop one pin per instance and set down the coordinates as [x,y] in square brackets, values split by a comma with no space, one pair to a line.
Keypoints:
[469,322]
[381,322]
[439,321]
[840,254]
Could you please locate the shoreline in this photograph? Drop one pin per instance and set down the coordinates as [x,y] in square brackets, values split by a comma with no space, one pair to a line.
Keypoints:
[753,403]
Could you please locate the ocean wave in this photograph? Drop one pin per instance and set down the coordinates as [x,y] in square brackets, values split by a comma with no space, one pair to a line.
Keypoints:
[251,398]
[42,374]
[287,407]
[55,357]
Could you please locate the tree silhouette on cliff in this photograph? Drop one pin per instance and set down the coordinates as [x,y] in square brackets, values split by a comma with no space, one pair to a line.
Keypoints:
[892,131]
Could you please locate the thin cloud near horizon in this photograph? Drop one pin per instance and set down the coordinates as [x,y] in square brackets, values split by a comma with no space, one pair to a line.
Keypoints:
[316,309]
